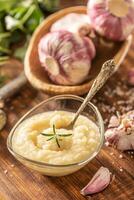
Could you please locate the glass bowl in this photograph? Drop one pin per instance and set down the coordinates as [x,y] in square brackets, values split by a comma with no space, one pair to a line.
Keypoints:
[67,103]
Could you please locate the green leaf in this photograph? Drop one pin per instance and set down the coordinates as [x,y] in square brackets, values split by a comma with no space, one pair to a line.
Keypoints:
[64,135]
[57,141]
[4,43]
[3,58]
[4,35]
[50,5]
[45,134]
[50,138]
[55,135]
[34,20]
[16,36]
[4,50]
[7,4]
[28,14]
[21,51]
[54,129]
[2,22]
[18,12]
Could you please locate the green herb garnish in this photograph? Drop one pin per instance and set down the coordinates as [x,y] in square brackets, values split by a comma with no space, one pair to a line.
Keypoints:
[55,136]
[18,21]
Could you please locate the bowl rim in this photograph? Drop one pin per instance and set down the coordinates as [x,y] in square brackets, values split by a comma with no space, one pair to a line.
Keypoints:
[43,164]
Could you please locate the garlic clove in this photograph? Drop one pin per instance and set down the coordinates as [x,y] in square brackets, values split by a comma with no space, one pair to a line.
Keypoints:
[85,29]
[98,183]
[126,142]
[51,65]
[121,136]
[112,135]
[114,121]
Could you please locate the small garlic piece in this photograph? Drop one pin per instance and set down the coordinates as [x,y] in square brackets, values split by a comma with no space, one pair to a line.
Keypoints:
[114,121]
[122,136]
[98,183]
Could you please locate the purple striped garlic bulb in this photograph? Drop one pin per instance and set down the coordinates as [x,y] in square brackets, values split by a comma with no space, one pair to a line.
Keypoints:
[73,22]
[113,19]
[66,57]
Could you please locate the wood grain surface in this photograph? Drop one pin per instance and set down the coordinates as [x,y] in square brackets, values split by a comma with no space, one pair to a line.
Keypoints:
[17,182]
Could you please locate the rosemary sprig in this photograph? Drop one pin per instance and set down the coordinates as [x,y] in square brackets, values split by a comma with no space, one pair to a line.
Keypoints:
[45,134]
[55,135]
[57,141]
[50,138]
[65,135]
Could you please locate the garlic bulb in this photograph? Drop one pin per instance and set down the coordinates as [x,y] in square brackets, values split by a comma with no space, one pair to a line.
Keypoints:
[66,57]
[113,19]
[73,22]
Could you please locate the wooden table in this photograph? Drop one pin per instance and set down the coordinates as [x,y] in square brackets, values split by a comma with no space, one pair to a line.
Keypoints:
[19,183]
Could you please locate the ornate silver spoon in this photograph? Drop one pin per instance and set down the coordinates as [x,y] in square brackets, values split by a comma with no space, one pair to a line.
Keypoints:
[106,71]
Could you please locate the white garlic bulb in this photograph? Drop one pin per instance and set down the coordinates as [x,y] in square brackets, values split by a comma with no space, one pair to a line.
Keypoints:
[73,22]
[113,19]
[66,57]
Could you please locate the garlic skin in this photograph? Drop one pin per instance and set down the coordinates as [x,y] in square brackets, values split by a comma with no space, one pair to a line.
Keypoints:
[73,22]
[131,77]
[66,57]
[113,19]
[98,183]
[120,132]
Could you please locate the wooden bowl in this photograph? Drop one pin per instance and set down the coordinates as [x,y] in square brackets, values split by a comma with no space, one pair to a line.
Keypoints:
[39,78]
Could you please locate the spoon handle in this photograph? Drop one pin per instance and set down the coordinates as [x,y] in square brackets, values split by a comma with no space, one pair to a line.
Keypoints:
[106,71]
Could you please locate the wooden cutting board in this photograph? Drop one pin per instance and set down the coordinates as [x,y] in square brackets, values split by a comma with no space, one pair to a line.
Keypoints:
[19,183]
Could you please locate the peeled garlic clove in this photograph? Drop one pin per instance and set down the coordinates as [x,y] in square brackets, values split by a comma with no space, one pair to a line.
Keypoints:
[73,22]
[98,183]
